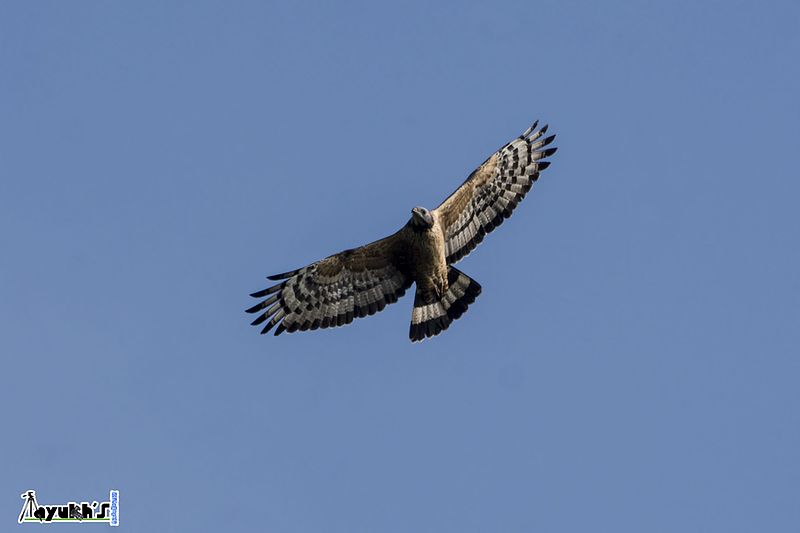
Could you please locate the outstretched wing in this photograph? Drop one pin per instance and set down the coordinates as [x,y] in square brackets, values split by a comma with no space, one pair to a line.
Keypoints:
[492,191]
[337,289]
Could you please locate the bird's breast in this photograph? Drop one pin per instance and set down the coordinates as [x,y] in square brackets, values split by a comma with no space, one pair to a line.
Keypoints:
[428,259]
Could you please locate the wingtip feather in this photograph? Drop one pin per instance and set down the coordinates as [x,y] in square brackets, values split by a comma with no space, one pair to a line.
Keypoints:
[267,291]
[530,129]
[284,275]
[259,319]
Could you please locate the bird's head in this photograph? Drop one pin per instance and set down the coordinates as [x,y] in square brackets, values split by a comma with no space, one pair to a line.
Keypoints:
[421,218]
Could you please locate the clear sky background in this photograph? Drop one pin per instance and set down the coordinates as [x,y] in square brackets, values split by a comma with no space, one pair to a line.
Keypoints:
[631,366]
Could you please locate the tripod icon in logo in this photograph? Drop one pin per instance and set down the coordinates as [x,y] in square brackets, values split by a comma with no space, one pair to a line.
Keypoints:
[29,507]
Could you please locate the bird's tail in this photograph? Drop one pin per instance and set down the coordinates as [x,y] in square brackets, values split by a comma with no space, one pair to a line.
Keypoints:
[431,316]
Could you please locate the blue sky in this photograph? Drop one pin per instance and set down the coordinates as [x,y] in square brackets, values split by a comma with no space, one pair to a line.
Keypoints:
[631,365]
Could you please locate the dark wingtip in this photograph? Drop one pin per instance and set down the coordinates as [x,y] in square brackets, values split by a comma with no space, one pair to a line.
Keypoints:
[255,308]
[549,151]
[277,277]
[268,327]
[259,319]
[544,129]
[548,140]
[543,165]
[267,291]
[280,329]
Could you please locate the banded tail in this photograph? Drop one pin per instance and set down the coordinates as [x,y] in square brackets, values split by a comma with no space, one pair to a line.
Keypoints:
[430,318]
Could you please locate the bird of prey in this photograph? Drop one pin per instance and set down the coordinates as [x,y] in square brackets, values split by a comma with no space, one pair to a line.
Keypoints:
[362,281]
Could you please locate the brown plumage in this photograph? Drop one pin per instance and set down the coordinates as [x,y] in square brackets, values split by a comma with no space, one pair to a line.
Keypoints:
[360,282]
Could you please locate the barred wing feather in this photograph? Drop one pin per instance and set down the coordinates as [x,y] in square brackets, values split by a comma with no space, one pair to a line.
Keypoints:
[334,291]
[490,194]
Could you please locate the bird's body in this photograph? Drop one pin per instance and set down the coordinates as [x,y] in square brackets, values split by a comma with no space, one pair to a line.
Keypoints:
[362,281]
[426,250]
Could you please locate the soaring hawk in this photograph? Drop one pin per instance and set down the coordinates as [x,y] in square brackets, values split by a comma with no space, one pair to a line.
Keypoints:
[362,281]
